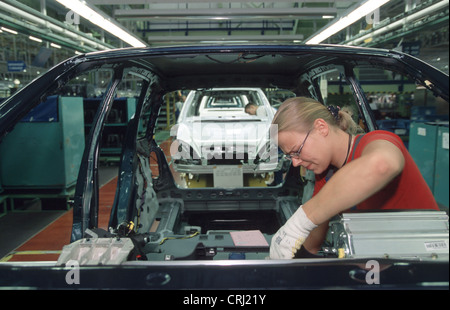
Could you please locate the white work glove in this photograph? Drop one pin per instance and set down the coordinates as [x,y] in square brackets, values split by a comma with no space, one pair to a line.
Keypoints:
[290,237]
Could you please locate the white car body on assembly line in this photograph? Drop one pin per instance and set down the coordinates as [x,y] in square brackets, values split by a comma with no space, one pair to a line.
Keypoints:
[214,130]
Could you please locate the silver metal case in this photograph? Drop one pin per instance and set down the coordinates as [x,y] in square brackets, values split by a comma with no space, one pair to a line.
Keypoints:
[401,234]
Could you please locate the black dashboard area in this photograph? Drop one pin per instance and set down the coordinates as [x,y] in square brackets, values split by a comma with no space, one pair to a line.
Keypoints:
[267,221]
[180,234]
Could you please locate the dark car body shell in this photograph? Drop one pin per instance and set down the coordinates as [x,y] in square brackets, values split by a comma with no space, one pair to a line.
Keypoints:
[183,68]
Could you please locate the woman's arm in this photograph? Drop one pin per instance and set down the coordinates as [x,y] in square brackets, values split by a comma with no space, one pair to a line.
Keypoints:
[380,162]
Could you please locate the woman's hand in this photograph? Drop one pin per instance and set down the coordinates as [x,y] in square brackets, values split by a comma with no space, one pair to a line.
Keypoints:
[290,237]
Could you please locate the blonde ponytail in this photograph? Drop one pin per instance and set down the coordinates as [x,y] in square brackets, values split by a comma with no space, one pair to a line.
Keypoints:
[299,114]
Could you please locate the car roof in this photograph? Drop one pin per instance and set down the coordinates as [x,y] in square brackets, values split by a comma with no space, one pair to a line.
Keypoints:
[231,89]
[189,67]
[192,67]
[253,66]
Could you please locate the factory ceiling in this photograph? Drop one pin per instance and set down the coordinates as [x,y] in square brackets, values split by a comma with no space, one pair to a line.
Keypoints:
[76,26]
[163,22]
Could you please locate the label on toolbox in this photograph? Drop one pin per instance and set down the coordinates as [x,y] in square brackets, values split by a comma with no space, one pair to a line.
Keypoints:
[436,245]
[421,131]
[445,140]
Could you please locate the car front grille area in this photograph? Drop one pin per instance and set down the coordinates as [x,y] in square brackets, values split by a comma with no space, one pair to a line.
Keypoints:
[228,159]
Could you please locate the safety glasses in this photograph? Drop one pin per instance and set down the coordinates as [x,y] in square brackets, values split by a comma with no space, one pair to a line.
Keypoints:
[296,155]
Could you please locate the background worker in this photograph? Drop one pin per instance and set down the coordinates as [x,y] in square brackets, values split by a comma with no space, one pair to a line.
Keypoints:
[254,109]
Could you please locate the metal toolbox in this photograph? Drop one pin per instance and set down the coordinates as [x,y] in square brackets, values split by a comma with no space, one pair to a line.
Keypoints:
[45,149]
[399,234]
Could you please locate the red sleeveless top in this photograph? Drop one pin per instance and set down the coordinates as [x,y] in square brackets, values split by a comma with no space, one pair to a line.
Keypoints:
[407,191]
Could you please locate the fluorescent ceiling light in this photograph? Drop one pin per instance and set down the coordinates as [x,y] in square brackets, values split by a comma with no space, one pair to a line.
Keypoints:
[82,9]
[9,30]
[35,39]
[363,10]
[55,45]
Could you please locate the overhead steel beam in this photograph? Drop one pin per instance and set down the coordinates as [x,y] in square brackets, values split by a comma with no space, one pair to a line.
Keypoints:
[26,28]
[391,26]
[399,34]
[223,14]
[47,25]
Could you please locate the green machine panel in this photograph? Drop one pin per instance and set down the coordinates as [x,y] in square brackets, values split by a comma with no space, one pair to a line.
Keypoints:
[422,147]
[45,149]
[441,176]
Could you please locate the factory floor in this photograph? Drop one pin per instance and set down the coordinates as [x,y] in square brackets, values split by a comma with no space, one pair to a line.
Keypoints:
[33,234]
[30,233]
